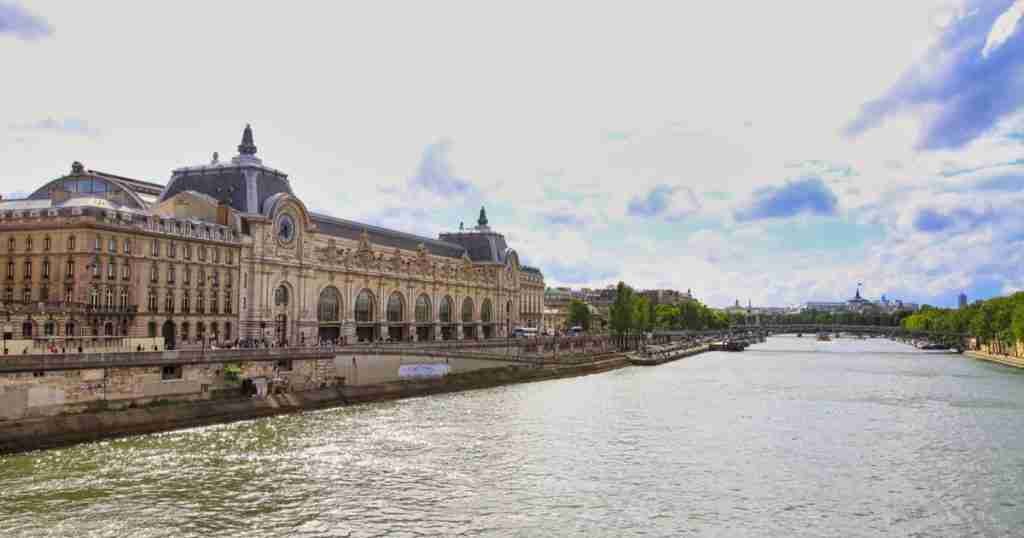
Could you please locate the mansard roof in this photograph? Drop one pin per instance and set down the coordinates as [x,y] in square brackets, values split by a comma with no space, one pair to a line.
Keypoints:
[488,247]
[384,237]
[245,183]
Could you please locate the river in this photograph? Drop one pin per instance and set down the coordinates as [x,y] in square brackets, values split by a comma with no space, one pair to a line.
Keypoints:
[791,438]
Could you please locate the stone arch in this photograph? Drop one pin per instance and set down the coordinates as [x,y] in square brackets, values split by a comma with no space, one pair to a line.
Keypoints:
[424,316]
[446,310]
[468,325]
[364,307]
[396,307]
[424,312]
[364,311]
[446,315]
[486,311]
[487,318]
[282,295]
[396,315]
[329,305]
[328,313]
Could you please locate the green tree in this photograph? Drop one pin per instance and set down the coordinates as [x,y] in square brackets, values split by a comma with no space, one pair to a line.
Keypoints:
[579,314]
[667,316]
[622,310]
[641,313]
[1017,325]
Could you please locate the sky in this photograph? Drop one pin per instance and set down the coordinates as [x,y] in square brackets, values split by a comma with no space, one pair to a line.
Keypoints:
[776,152]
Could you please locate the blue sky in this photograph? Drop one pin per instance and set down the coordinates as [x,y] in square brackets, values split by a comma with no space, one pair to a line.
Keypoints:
[779,153]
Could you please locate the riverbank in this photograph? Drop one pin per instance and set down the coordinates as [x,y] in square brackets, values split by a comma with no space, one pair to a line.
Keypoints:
[68,429]
[1015,362]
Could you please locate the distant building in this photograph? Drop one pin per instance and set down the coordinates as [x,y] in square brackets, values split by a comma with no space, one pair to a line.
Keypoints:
[657,297]
[962,300]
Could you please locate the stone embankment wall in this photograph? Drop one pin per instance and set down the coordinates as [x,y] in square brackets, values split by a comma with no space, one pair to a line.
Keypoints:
[160,415]
[51,392]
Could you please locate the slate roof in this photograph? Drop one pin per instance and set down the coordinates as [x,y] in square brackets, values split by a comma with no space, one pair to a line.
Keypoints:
[243,186]
[481,246]
[383,237]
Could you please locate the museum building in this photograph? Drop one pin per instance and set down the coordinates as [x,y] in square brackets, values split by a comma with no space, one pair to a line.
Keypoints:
[226,252]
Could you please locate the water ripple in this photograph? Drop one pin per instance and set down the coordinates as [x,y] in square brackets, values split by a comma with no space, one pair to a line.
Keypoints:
[854,439]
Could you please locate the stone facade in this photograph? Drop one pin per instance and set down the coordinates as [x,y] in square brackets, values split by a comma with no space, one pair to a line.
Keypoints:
[226,252]
[94,270]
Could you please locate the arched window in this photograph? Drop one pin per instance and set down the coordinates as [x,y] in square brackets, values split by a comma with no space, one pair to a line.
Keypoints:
[485,311]
[281,296]
[69,329]
[423,309]
[26,329]
[364,307]
[49,328]
[396,308]
[108,329]
[330,304]
[445,313]
[109,298]
[467,310]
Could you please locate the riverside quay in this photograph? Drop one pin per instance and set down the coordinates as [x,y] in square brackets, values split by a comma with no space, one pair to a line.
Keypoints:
[226,255]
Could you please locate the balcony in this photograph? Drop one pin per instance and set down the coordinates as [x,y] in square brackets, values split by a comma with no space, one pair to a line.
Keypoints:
[64,307]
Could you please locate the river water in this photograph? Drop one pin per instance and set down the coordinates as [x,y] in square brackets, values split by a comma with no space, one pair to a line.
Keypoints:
[790,438]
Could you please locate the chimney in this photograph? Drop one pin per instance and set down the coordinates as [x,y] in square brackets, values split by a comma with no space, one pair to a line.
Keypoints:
[223,213]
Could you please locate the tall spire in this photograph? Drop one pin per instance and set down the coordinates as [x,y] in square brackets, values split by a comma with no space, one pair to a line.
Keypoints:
[482,221]
[247,147]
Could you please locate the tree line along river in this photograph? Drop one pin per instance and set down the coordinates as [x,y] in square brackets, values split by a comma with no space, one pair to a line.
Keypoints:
[793,437]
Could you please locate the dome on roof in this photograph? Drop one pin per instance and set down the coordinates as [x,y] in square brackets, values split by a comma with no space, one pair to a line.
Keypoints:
[245,183]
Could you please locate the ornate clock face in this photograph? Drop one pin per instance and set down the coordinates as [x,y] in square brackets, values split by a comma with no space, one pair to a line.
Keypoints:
[285,228]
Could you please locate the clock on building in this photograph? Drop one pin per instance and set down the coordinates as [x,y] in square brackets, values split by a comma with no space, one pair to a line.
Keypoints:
[285,228]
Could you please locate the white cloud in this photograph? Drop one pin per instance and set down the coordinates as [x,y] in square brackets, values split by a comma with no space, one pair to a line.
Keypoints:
[1003,28]
[555,133]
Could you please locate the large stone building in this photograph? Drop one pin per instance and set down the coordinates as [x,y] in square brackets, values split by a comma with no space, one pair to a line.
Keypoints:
[227,252]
